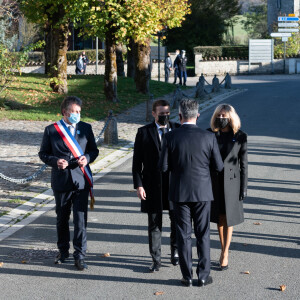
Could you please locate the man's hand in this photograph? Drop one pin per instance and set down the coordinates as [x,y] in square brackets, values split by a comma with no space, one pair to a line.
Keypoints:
[62,163]
[141,193]
[82,161]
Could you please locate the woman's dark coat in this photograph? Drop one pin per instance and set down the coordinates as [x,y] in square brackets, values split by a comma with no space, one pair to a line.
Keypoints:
[235,181]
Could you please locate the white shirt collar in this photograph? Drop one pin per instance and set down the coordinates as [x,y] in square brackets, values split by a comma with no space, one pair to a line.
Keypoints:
[188,123]
[160,126]
[73,125]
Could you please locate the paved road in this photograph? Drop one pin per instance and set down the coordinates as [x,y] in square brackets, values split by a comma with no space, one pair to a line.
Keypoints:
[270,251]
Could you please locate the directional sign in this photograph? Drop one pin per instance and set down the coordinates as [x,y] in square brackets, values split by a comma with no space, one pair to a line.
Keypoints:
[288,24]
[288,30]
[284,19]
[280,34]
[284,39]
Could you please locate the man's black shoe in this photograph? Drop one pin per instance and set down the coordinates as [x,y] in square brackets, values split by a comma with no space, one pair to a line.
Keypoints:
[174,257]
[202,282]
[60,258]
[187,282]
[154,267]
[80,264]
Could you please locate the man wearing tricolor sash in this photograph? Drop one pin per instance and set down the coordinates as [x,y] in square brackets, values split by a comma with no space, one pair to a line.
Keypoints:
[69,146]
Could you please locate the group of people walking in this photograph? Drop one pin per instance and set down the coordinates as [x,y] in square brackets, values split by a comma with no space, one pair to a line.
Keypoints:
[197,175]
[178,66]
[182,168]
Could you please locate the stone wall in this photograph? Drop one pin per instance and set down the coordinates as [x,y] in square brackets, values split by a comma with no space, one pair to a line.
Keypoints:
[236,67]
[91,69]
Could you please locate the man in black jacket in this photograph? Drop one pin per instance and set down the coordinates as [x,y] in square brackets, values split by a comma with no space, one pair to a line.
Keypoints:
[70,186]
[151,185]
[188,153]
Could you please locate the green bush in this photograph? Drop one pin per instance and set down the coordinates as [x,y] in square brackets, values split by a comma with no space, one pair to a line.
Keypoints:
[91,54]
[71,55]
[222,51]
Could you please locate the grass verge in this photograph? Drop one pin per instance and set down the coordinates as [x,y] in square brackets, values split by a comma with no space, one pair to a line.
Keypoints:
[30,98]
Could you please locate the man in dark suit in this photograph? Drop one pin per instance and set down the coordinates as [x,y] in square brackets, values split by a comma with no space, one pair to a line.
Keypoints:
[182,67]
[153,186]
[188,152]
[70,186]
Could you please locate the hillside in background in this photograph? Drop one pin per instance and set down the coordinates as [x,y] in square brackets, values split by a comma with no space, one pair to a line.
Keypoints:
[246,3]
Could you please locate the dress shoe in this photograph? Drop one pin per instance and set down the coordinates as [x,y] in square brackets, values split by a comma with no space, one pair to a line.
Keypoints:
[186,282]
[80,264]
[224,268]
[202,282]
[154,267]
[60,258]
[174,257]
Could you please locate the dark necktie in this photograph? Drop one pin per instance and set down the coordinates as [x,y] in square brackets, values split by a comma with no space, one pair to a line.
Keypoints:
[163,132]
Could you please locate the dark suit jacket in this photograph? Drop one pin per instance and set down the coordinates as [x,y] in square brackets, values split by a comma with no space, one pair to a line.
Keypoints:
[235,181]
[188,153]
[147,151]
[53,148]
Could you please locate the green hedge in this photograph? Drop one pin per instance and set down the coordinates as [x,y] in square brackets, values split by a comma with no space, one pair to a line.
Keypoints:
[222,51]
[91,54]
[71,55]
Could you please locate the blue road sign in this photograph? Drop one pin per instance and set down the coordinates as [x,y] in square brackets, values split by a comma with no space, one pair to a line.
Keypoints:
[284,19]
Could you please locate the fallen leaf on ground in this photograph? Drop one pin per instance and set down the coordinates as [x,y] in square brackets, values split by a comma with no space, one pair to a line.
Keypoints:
[158,293]
[282,287]
[1,264]
[246,272]
[24,262]
[257,223]
[105,255]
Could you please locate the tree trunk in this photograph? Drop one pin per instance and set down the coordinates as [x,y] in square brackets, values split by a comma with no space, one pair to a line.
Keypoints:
[110,78]
[120,60]
[130,59]
[142,66]
[58,70]
[56,37]
[48,48]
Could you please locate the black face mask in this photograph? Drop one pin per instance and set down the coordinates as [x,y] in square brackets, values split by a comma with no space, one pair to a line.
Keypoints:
[163,120]
[221,122]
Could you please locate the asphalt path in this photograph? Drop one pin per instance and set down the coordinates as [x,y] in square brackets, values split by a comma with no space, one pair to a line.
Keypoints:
[266,245]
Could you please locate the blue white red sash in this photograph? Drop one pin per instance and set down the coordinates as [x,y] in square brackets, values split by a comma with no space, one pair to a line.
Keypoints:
[77,152]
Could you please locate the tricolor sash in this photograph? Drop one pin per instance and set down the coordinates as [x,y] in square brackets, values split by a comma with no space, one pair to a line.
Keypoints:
[77,152]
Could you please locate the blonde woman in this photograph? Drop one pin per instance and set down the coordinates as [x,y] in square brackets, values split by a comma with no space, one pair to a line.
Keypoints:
[229,186]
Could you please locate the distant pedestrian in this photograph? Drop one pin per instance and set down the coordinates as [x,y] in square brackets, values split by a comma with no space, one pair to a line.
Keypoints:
[168,67]
[85,61]
[182,67]
[230,185]
[79,65]
[175,66]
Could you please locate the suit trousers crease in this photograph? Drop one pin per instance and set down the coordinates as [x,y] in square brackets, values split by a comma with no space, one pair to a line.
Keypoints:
[199,213]
[154,234]
[64,202]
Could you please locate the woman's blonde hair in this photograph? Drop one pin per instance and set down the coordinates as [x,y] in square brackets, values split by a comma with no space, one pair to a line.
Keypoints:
[234,119]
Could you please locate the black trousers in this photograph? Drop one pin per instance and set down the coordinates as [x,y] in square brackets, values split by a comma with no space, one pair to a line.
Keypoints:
[154,234]
[199,212]
[64,202]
